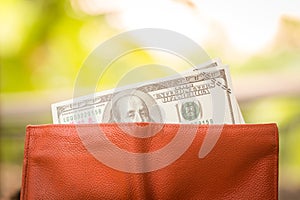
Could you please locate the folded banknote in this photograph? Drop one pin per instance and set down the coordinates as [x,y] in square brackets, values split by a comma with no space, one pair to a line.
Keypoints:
[201,95]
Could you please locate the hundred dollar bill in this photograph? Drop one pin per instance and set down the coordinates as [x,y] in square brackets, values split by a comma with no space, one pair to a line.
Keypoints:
[189,98]
[217,62]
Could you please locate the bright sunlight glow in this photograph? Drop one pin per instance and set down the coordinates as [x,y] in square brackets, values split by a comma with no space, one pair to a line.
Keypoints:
[247,26]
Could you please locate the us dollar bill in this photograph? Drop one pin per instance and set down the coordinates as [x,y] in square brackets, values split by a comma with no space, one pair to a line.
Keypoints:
[203,95]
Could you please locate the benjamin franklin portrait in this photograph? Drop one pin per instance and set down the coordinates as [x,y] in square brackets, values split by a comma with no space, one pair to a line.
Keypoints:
[130,108]
[132,105]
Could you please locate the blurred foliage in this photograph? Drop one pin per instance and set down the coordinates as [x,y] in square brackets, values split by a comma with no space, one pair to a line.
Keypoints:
[13,148]
[276,60]
[43,44]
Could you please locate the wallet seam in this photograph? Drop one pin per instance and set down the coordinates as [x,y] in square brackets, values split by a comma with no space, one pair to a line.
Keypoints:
[168,126]
[27,163]
[276,149]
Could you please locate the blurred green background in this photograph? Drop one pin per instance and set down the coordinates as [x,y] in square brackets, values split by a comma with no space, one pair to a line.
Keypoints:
[44,43]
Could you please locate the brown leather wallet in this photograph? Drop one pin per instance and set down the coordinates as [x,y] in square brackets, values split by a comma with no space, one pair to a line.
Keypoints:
[151,161]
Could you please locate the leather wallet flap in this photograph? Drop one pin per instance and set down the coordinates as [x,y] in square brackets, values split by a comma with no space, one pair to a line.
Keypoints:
[151,161]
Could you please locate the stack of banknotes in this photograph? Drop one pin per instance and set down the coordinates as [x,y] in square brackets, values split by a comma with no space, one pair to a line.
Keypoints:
[201,95]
